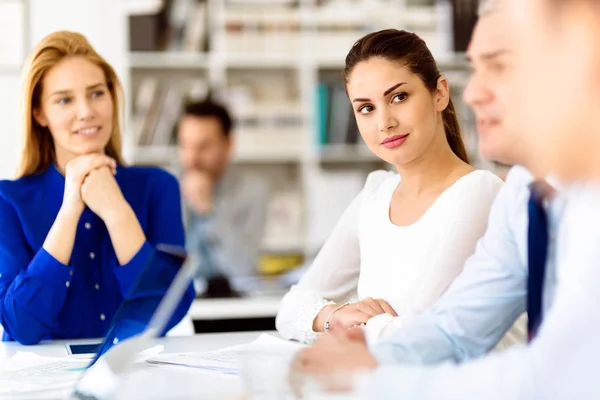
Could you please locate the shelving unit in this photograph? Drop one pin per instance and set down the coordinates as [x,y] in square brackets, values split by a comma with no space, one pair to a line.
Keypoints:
[265,61]
[172,60]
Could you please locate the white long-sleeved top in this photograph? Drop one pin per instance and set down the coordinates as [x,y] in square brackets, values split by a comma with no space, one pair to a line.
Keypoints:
[560,363]
[407,266]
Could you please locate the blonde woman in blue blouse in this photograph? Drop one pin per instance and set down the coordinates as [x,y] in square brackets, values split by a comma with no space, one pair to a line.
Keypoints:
[78,227]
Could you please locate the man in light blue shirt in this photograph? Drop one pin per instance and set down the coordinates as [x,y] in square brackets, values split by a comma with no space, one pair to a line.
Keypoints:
[491,293]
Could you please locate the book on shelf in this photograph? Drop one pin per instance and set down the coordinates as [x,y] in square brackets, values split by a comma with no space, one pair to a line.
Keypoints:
[158,107]
[178,13]
[194,35]
[252,29]
[148,118]
[285,221]
[336,124]
[147,31]
[169,114]
[143,107]
[261,2]
[179,25]
[187,25]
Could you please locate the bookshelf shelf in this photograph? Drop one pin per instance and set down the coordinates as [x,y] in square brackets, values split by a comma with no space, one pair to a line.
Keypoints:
[168,60]
[261,2]
[257,110]
[268,156]
[142,7]
[262,60]
[330,61]
[343,154]
[167,156]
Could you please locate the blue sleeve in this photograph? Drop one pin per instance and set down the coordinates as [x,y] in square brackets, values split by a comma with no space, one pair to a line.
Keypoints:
[165,226]
[481,304]
[33,287]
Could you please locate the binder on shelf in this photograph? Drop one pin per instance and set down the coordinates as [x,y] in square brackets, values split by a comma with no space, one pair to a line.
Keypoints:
[158,107]
[194,34]
[321,112]
[169,115]
[336,123]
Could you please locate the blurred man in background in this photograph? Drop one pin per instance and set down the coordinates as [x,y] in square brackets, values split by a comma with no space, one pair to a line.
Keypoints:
[226,209]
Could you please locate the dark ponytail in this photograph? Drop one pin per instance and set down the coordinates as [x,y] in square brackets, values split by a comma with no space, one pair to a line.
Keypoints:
[453,134]
[411,50]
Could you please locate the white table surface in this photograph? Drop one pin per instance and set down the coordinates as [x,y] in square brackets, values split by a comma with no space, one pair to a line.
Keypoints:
[154,383]
[201,342]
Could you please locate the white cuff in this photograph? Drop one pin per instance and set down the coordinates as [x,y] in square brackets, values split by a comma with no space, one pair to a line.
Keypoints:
[297,312]
[374,327]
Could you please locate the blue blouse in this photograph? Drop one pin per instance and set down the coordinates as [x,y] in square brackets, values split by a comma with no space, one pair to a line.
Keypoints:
[41,298]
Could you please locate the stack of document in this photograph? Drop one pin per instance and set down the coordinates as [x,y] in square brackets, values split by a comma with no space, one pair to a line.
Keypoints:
[29,376]
[229,361]
[258,367]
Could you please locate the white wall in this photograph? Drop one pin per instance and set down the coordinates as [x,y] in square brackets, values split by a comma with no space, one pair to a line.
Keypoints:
[12,50]
[101,21]
[10,138]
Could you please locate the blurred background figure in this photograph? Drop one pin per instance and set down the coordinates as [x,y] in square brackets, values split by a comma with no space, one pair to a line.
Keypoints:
[226,208]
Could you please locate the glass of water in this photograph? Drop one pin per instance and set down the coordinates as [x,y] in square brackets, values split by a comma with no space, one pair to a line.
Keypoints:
[266,375]
[339,385]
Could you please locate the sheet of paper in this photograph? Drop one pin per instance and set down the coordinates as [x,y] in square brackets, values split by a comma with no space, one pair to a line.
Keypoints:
[229,360]
[29,376]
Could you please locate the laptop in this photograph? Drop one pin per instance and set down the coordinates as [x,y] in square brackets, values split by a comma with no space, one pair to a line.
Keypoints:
[116,356]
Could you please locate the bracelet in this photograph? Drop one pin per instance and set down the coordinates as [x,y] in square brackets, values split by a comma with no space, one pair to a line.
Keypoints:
[326,325]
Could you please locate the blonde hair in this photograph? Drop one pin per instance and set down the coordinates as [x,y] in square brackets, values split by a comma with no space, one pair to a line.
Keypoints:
[38,146]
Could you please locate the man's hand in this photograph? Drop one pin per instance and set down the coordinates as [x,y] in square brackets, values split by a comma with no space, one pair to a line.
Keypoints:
[340,350]
[197,189]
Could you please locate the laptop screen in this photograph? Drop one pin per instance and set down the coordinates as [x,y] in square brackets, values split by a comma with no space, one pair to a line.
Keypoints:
[142,301]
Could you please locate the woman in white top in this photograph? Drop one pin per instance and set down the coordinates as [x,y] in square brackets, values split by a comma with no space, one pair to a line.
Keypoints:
[406,236]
